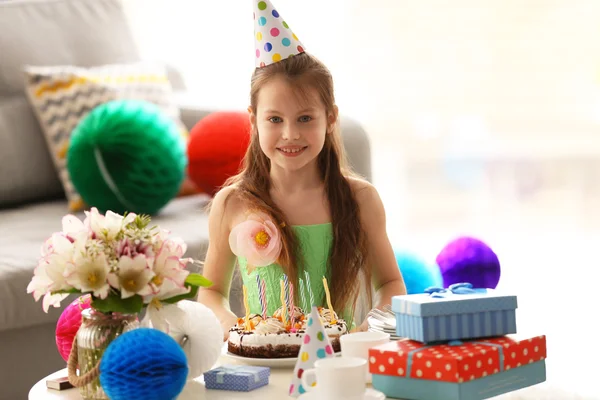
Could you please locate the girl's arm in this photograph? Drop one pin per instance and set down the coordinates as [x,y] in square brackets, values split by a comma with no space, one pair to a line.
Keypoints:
[219,263]
[387,279]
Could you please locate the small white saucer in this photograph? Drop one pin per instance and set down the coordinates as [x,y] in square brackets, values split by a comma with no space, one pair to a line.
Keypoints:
[370,394]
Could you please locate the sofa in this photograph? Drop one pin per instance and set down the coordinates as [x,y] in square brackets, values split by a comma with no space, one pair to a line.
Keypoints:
[32,200]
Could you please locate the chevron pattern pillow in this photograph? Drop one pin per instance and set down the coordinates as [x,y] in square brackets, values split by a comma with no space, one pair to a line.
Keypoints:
[62,96]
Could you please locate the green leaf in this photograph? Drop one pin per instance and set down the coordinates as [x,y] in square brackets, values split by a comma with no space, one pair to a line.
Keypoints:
[114,303]
[193,292]
[67,291]
[197,280]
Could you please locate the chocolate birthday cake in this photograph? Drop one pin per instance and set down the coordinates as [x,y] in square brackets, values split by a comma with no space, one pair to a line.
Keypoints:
[274,338]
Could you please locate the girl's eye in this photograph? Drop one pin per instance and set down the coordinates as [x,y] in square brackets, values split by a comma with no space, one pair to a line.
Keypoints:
[305,118]
[275,120]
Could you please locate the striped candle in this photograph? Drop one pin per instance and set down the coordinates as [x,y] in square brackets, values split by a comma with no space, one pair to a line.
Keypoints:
[261,296]
[286,282]
[292,308]
[310,292]
[302,283]
[283,304]
[263,286]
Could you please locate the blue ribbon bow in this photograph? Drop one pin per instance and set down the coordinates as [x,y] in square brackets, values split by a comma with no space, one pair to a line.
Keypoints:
[236,370]
[457,288]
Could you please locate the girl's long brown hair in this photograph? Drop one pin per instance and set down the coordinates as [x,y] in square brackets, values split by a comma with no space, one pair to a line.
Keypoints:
[349,249]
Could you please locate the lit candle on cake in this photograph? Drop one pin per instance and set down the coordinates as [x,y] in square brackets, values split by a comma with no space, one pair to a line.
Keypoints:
[286,283]
[310,292]
[292,308]
[328,296]
[283,304]
[247,325]
[262,298]
[302,283]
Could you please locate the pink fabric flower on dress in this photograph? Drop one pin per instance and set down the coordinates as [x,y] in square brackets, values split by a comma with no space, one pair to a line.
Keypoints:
[257,240]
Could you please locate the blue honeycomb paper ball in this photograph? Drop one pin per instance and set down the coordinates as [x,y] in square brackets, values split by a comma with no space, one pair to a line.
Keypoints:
[143,364]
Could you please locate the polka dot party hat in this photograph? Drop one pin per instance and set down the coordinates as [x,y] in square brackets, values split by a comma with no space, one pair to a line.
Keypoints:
[316,346]
[273,38]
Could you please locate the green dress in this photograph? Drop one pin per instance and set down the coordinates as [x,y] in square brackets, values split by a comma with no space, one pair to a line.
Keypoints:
[315,244]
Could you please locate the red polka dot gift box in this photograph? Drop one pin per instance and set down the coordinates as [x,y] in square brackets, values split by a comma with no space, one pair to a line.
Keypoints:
[457,313]
[470,370]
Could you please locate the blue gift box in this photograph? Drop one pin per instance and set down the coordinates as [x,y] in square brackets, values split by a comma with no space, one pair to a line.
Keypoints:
[459,312]
[478,389]
[239,378]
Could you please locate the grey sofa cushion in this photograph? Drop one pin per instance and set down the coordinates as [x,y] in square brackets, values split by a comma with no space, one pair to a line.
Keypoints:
[28,173]
[34,32]
[24,230]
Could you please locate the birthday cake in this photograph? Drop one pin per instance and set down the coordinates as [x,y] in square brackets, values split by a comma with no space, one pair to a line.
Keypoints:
[272,338]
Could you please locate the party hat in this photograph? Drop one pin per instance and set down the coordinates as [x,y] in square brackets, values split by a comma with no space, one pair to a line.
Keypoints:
[273,38]
[315,346]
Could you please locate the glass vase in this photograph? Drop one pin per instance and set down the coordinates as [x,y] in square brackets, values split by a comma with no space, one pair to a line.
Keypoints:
[96,333]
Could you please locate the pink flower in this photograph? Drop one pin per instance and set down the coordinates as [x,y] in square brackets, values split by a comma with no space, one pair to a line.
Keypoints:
[131,248]
[257,240]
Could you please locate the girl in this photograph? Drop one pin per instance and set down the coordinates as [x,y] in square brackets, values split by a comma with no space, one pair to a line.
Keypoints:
[319,217]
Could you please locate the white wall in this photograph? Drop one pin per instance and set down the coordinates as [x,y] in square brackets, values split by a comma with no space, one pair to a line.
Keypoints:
[519,74]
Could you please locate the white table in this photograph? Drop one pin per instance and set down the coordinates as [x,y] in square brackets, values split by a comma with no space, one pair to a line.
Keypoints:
[277,389]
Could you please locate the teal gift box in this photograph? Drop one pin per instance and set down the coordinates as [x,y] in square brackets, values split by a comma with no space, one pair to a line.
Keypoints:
[456,313]
[470,370]
[239,378]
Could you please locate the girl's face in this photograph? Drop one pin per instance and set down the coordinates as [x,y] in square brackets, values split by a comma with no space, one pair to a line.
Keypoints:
[291,128]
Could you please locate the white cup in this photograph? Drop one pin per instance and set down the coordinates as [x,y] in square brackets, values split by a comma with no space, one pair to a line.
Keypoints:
[358,344]
[337,378]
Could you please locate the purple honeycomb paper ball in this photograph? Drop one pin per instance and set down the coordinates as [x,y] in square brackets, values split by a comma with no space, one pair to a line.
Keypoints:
[467,259]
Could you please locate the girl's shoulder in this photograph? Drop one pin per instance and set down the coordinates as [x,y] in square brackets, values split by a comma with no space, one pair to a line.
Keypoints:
[362,189]
[367,197]
[228,205]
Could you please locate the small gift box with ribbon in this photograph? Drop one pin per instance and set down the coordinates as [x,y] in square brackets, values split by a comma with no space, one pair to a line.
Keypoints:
[239,378]
[470,370]
[456,313]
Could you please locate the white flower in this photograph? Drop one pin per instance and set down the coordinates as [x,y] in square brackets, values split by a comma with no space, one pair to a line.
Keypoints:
[158,318]
[168,266]
[89,274]
[166,290]
[56,255]
[53,300]
[48,276]
[74,228]
[133,276]
[107,226]
[40,285]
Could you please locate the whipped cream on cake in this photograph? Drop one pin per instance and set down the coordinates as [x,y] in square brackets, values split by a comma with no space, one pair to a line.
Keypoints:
[270,338]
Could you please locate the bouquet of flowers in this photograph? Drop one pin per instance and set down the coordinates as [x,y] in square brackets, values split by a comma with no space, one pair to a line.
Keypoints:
[120,260]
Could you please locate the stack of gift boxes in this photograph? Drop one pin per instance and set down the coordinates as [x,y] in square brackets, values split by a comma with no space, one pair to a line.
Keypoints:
[460,344]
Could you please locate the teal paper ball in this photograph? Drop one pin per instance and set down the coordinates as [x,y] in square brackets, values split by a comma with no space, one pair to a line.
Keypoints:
[143,364]
[417,273]
[127,156]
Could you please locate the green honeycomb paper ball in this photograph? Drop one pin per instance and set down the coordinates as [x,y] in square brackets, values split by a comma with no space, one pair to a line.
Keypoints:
[127,156]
